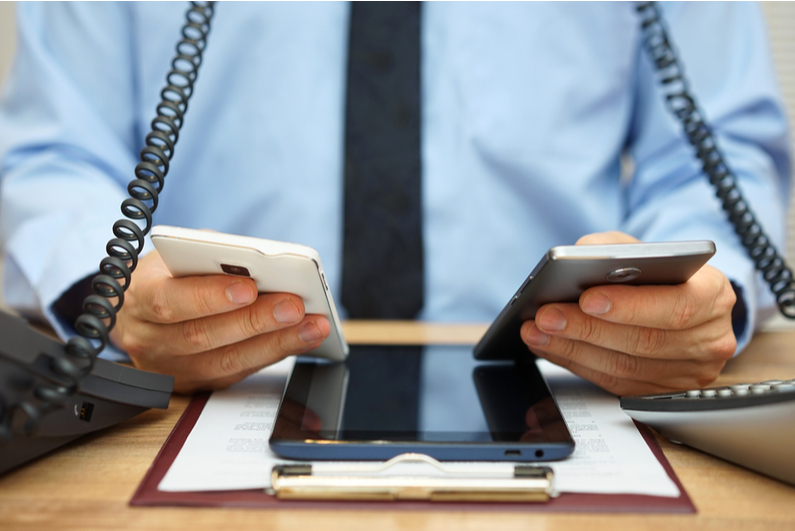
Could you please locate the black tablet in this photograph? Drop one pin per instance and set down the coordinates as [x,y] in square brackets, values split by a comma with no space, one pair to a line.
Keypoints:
[437,400]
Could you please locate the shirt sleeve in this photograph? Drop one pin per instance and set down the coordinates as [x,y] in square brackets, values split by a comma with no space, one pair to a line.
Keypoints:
[67,148]
[726,57]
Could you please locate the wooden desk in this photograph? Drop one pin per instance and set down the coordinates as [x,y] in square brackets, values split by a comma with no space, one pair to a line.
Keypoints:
[87,484]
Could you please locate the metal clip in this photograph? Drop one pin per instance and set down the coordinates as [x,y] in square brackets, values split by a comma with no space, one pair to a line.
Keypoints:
[490,482]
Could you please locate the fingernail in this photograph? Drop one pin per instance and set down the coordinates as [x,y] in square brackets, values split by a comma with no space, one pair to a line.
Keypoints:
[310,333]
[536,337]
[286,312]
[551,319]
[596,304]
[239,293]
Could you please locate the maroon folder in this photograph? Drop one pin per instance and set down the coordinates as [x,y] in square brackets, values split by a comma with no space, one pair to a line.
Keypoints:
[148,495]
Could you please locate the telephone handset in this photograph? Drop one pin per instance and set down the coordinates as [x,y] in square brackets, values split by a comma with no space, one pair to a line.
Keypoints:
[50,395]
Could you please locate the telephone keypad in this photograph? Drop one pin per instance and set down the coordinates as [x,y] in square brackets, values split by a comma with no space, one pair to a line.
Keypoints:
[735,390]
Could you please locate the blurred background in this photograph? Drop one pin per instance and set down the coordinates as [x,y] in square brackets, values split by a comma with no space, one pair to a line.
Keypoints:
[781,24]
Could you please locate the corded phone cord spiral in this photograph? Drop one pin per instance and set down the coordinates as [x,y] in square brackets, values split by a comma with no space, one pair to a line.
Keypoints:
[683,105]
[116,269]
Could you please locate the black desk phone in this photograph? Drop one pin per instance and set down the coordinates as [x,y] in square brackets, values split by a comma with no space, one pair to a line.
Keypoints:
[51,393]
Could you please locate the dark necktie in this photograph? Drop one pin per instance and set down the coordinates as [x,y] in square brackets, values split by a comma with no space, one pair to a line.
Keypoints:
[382,251]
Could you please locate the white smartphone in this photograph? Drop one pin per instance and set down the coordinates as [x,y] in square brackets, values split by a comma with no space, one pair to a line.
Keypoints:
[273,265]
[566,271]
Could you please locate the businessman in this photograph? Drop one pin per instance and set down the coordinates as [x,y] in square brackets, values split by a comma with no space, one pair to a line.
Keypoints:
[519,118]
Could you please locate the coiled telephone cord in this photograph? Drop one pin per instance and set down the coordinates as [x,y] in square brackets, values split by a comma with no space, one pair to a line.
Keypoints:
[683,105]
[116,269]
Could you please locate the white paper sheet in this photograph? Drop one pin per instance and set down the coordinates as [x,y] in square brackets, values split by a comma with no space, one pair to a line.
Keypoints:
[610,454]
[228,447]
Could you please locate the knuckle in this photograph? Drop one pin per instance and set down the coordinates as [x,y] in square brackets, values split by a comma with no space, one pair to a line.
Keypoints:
[254,322]
[706,377]
[704,373]
[283,345]
[647,341]
[202,298]
[683,311]
[161,309]
[195,335]
[723,349]
[728,297]
[590,331]
[623,367]
[229,361]
[567,348]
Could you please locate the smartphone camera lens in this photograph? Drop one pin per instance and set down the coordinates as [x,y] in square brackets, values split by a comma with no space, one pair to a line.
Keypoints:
[624,274]
[235,270]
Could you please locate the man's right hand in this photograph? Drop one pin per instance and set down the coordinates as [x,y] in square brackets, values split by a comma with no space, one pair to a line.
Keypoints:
[211,331]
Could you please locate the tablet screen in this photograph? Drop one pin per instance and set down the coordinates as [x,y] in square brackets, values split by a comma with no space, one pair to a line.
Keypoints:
[423,394]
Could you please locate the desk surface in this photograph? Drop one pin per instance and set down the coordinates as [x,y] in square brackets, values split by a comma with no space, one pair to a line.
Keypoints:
[88,483]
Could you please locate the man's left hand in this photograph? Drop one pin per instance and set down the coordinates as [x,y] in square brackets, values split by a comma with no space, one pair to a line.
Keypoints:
[640,339]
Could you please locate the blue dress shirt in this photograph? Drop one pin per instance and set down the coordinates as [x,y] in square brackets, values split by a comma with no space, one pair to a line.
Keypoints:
[528,110]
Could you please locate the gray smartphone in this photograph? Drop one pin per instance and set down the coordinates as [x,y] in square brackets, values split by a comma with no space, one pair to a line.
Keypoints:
[566,271]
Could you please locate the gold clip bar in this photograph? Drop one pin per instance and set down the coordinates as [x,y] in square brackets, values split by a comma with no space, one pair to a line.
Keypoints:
[528,484]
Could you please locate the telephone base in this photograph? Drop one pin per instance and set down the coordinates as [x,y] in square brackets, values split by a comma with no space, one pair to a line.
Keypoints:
[110,394]
[58,429]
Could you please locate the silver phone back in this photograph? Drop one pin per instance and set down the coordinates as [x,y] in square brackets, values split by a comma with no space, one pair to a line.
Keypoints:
[566,271]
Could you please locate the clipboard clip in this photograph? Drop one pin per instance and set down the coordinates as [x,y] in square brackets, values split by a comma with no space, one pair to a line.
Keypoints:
[413,476]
